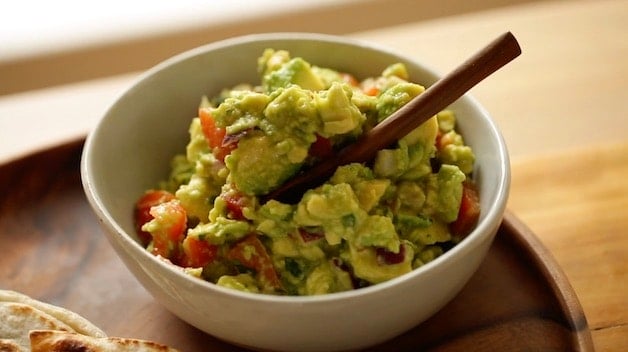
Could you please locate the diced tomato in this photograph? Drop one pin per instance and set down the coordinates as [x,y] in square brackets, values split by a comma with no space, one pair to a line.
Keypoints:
[171,221]
[251,253]
[384,256]
[236,202]
[213,134]
[228,144]
[308,236]
[444,139]
[218,140]
[197,253]
[438,142]
[321,148]
[142,211]
[350,79]
[371,90]
[469,212]
[221,153]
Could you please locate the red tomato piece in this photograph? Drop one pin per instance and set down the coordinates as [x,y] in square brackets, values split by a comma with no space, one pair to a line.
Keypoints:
[469,212]
[438,142]
[384,256]
[228,144]
[444,139]
[171,219]
[213,134]
[310,236]
[251,253]
[197,253]
[372,91]
[236,202]
[142,211]
[350,79]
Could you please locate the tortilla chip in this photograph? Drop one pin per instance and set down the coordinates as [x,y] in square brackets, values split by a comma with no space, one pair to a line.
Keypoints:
[76,322]
[61,341]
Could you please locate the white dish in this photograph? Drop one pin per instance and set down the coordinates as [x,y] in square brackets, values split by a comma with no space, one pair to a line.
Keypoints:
[130,149]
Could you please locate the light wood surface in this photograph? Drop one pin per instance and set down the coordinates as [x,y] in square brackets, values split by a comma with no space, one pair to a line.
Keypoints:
[577,204]
[562,108]
[570,85]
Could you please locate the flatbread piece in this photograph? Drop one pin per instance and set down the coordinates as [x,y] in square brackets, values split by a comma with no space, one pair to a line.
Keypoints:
[27,324]
[62,341]
[76,322]
[17,319]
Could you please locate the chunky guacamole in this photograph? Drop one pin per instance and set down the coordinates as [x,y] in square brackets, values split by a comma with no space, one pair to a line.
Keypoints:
[367,224]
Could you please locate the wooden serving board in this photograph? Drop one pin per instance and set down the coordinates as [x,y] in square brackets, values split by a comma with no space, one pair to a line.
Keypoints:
[52,249]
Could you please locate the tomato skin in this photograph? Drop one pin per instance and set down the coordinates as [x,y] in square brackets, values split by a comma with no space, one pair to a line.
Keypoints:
[235,202]
[387,257]
[142,211]
[229,143]
[251,253]
[469,212]
[371,91]
[197,253]
[213,134]
[217,138]
[307,236]
[171,221]
[350,79]
[438,143]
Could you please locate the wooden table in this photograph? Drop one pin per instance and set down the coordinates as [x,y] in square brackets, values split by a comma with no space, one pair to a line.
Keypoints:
[562,107]
[576,202]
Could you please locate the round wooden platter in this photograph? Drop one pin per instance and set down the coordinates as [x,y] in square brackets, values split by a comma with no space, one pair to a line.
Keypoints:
[52,249]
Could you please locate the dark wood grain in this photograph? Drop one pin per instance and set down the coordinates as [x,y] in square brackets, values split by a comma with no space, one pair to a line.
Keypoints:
[53,250]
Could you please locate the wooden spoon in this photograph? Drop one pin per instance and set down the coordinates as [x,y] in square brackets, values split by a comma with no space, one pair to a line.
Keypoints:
[444,92]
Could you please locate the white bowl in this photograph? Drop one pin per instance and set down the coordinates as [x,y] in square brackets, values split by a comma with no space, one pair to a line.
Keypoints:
[130,149]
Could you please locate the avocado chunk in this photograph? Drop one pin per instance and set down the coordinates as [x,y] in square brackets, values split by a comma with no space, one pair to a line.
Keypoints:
[335,208]
[367,266]
[450,180]
[378,231]
[296,71]
[395,97]
[259,165]
[337,112]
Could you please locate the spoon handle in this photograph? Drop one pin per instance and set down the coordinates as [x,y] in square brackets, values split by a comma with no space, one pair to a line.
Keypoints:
[437,97]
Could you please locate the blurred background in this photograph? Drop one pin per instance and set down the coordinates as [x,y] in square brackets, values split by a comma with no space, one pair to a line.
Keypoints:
[48,43]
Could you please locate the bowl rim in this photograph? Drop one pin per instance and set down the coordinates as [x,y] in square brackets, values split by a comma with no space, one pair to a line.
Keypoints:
[491,219]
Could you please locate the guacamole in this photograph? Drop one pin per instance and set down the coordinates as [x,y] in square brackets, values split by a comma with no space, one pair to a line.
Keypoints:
[366,224]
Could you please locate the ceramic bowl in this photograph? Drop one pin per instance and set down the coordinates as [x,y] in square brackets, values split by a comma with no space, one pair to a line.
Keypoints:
[130,149]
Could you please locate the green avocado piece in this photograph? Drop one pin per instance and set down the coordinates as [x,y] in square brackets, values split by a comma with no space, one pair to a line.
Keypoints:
[258,165]
[292,113]
[296,71]
[450,180]
[378,231]
[338,113]
[335,208]
[366,265]
[395,97]
[326,278]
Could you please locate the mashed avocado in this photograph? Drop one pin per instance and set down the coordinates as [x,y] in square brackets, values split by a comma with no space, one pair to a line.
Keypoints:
[367,224]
